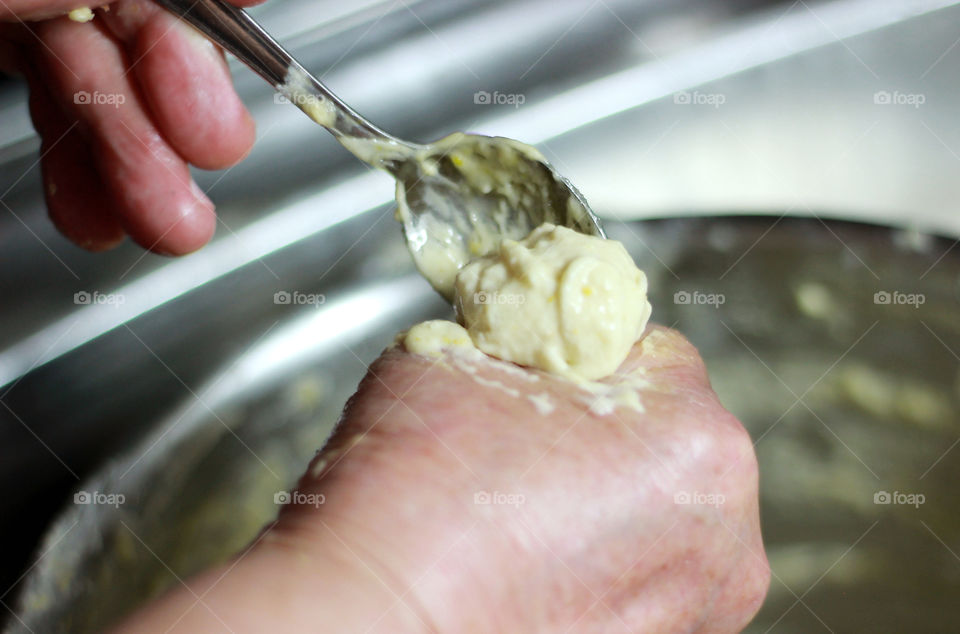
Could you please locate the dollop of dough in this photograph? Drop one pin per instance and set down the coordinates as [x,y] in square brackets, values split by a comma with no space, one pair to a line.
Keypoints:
[81,14]
[431,338]
[558,300]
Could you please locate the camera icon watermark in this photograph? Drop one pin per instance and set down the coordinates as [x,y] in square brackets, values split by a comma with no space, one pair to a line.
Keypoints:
[696,298]
[296,298]
[96,497]
[897,98]
[97,98]
[497,298]
[496,98]
[86,298]
[898,497]
[697,498]
[282,498]
[486,498]
[897,298]
[697,98]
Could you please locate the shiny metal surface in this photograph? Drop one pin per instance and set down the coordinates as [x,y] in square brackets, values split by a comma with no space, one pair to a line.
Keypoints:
[234,30]
[857,398]
[815,121]
[458,195]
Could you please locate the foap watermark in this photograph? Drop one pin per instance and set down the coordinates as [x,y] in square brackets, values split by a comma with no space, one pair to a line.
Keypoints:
[899,497]
[497,98]
[299,99]
[487,297]
[697,98]
[299,498]
[698,498]
[86,298]
[898,298]
[696,298]
[296,298]
[897,98]
[97,98]
[486,498]
[98,497]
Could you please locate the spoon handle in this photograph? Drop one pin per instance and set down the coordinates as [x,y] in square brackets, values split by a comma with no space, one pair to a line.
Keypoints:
[237,32]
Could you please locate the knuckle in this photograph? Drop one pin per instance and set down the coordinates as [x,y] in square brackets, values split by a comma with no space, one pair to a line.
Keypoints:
[756,586]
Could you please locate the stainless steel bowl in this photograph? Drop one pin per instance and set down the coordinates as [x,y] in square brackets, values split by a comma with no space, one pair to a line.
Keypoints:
[204,393]
[850,397]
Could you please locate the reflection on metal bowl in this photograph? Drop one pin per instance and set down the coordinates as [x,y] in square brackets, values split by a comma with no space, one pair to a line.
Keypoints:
[835,343]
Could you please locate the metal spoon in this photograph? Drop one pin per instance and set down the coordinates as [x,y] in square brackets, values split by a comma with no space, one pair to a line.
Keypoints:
[457,197]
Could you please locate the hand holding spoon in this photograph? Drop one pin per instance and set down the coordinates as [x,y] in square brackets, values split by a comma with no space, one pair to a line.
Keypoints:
[457,197]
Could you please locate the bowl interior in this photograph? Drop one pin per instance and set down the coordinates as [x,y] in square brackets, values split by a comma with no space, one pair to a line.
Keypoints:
[835,344]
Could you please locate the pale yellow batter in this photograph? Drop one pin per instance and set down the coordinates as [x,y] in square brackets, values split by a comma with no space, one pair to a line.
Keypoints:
[559,301]
[81,14]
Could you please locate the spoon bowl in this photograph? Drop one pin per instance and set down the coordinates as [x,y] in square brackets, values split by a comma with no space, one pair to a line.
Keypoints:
[458,197]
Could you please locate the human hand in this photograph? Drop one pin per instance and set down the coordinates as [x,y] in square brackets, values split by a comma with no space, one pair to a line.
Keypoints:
[581,532]
[124,104]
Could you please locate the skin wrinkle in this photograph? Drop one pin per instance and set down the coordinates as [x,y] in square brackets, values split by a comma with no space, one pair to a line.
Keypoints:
[407,599]
[299,541]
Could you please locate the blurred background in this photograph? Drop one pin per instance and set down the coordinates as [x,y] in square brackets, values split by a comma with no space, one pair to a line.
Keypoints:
[785,172]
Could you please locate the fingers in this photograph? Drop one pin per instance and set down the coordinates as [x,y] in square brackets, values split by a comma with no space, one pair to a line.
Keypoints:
[77,201]
[151,96]
[31,10]
[157,202]
[185,83]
